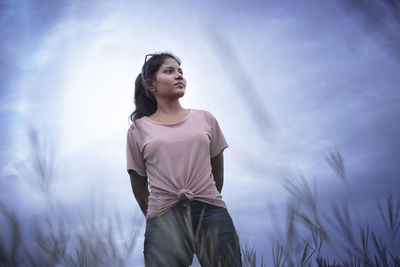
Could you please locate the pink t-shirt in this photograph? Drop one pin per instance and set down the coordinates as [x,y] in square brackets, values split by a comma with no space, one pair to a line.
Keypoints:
[176,158]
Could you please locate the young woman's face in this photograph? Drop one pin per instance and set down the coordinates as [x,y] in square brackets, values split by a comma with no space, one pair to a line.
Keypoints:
[169,82]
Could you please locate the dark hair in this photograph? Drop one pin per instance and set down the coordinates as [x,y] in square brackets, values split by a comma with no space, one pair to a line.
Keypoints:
[145,102]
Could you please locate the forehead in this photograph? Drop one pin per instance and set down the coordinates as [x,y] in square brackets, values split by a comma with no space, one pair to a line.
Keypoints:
[170,62]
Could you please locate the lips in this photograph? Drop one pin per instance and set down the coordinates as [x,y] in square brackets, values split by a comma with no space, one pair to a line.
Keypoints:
[180,83]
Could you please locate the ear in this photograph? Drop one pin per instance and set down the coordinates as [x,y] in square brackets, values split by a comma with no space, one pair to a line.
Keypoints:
[150,86]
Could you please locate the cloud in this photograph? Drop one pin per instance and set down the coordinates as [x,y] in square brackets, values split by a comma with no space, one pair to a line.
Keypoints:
[297,81]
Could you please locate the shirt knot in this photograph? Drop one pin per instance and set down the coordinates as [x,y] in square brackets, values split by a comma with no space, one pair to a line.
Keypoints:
[185,193]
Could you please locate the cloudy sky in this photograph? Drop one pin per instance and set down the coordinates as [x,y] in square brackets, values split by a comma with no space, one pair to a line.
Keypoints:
[288,82]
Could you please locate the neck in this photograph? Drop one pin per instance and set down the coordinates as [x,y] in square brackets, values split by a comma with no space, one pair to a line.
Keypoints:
[169,107]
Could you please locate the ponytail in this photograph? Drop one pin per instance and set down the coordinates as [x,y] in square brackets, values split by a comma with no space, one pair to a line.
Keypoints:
[145,101]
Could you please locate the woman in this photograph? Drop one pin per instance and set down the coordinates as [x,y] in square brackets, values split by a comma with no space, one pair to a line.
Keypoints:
[178,153]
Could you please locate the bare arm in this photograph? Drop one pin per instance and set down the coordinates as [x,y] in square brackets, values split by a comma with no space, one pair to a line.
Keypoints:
[140,189]
[217,165]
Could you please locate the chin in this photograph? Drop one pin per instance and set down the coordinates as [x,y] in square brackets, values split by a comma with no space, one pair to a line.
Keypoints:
[180,93]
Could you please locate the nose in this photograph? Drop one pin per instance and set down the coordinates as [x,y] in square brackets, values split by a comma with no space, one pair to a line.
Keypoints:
[179,76]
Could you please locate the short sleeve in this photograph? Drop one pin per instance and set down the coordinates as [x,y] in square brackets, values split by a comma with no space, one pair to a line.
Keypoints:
[218,142]
[134,156]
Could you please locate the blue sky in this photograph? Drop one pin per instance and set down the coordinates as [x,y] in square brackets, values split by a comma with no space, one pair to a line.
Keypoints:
[288,82]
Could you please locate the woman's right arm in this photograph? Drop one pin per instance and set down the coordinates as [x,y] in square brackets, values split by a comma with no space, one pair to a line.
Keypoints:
[140,189]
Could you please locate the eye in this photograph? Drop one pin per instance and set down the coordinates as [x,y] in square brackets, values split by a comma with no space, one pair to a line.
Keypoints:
[169,71]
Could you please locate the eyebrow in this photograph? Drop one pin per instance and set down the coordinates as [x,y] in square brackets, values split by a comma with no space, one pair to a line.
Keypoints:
[166,67]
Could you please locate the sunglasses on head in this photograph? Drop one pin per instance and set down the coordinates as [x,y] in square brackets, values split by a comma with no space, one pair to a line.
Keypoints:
[146,58]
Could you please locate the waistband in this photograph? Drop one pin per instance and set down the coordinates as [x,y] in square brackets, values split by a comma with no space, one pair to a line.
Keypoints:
[191,203]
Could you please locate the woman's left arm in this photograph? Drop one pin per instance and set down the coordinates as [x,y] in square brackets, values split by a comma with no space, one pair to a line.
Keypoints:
[217,165]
